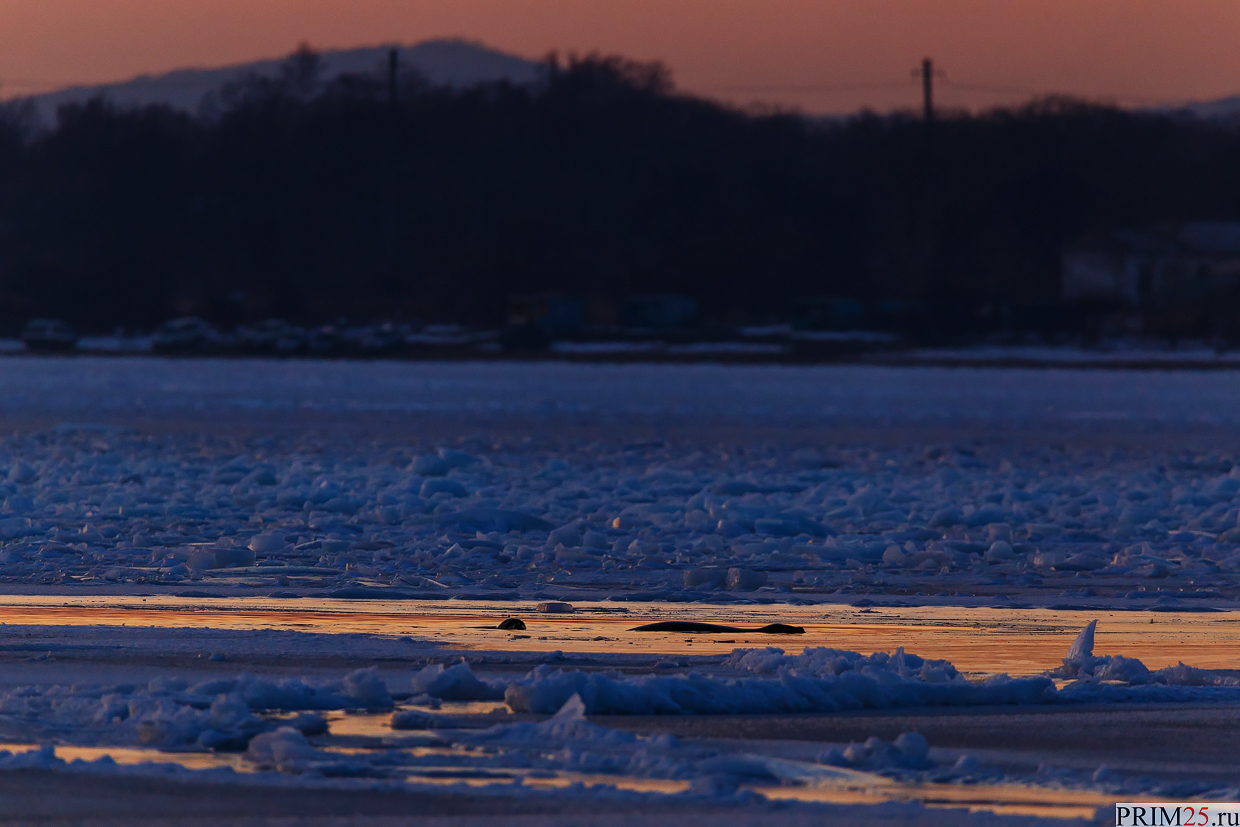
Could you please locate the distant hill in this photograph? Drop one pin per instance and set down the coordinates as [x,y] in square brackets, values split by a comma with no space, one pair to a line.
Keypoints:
[1224,109]
[442,62]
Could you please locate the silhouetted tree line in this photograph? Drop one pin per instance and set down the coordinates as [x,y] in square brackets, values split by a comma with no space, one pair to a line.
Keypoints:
[293,198]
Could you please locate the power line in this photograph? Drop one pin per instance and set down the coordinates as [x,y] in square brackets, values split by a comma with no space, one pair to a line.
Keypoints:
[917,79]
[24,82]
[64,86]
[998,90]
[815,87]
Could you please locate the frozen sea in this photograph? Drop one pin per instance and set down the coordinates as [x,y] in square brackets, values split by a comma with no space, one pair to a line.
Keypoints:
[197,553]
[621,395]
[648,482]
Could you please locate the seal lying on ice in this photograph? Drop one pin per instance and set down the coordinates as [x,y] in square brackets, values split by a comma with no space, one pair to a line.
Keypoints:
[694,627]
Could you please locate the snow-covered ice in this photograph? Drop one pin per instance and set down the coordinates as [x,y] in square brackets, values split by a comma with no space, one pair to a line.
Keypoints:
[428,738]
[96,506]
[125,390]
[818,680]
[580,488]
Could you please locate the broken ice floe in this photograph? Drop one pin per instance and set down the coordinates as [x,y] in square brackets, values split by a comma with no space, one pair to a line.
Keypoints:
[88,507]
[818,680]
[571,747]
[831,680]
[1089,669]
[454,683]
[170,713]
[908,751]
[227,713]
[250,715]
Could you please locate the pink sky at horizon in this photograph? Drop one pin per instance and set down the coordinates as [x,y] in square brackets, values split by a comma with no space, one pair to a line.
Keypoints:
[817,55]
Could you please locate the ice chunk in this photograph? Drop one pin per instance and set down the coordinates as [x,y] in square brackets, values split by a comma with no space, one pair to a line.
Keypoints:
[788,525]
[1182,675]
[309,723]
[456,683]
[431,466]
[285,749]
[913,745]
[705,578]
[228,557]
[229,712]
[908,751]
[1225,488]
[568,727]
[262,476]
[1083,664]
[43,758]
[965,765]
[985,515]
[405,719]
[432,487]
[745,579]
[1080,661]
[569,535]
[595,539]
[735,488]
[1083,647]
[1000,551]
[18,503]
[366,688]
[867,500]
[570,714]
[1084,561]
[22,473]
[495,519]
[289,694]
[438,466]
[202,560]
[946,516]
[1137,513]
[267,543]
[457,459]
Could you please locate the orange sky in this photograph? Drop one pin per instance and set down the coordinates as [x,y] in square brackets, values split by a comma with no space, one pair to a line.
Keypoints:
[819,55]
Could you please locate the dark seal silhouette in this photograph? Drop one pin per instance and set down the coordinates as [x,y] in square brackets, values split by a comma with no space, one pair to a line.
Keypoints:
[513,623]
[693,627]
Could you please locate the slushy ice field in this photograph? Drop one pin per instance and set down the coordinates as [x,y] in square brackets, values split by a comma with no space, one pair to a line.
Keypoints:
[263,590]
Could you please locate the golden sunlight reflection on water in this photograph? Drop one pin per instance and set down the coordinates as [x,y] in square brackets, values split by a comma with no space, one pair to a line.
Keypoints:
[1016,641]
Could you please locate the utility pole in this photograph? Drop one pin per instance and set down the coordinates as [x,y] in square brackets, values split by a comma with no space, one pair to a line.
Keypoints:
[388,261]
[393,75]
[927,89]
[927,230]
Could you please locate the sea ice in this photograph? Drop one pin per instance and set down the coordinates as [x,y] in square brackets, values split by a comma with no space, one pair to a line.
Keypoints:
[455,683]
[93,507]
[820,680]
[908,751]
[1082,664]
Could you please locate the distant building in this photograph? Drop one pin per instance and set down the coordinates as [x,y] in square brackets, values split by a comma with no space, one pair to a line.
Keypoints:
[828,313]
[555,315]
[534,322]
[1171,265]
[661,312]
